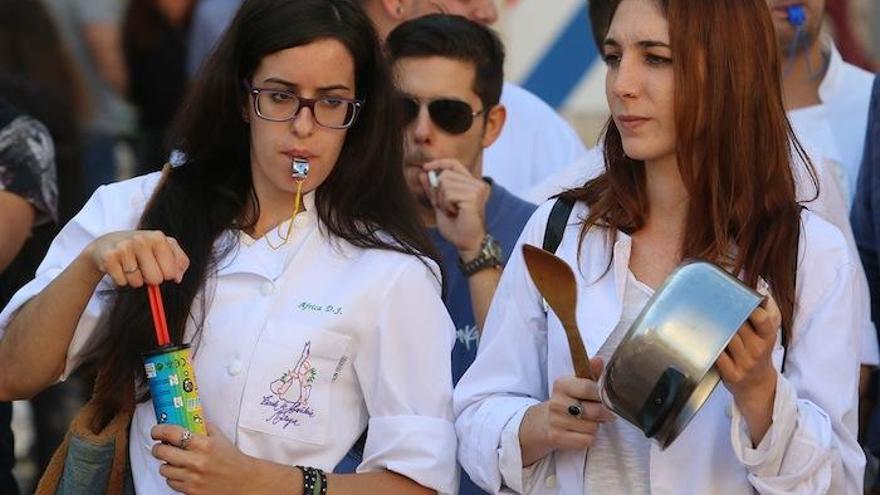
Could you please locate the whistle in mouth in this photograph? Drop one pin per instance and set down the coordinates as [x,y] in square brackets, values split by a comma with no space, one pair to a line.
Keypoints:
[299,169]
[796,15]
[434,179]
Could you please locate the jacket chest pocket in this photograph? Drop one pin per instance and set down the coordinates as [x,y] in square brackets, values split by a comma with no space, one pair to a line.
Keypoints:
[291,383]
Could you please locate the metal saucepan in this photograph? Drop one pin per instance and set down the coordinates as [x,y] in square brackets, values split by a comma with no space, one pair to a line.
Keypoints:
[663,370]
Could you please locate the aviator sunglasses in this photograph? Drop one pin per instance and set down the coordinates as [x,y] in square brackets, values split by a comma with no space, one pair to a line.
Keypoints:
[452,116]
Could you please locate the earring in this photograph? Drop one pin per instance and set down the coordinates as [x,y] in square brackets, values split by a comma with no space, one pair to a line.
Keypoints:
[399,10]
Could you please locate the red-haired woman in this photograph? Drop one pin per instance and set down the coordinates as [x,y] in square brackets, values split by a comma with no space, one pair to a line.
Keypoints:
[698,165]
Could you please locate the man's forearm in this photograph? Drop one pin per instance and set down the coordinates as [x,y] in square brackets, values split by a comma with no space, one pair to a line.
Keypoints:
[482,287]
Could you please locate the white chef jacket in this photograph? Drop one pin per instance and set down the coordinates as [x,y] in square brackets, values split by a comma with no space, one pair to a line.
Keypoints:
[534,143]
[811,446]
[367,326]
[836,127]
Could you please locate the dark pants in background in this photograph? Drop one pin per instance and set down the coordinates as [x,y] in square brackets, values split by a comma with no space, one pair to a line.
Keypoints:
[7,452]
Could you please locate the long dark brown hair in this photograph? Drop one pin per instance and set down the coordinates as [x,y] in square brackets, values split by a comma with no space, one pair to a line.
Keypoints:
[733,145]
[364,201]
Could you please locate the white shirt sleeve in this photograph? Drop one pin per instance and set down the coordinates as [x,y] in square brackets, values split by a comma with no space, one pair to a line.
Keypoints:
[515,477]
[111,208]
[410,429]
[811,446]
[588,167]
[508,376]
[535,143]
[831,205]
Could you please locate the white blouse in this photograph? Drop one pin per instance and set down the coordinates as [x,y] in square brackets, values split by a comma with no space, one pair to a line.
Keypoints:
[366,327]
[811,446]
[619,460]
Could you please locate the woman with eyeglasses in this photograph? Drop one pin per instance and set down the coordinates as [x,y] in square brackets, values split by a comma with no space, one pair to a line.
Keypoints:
[288,254]
[698,164]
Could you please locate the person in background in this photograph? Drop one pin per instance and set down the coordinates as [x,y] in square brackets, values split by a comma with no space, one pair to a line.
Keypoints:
[155,40]
[38,77]
[28,199]
[696,167]
[209,20]
[92,31]
[826,97]
[827,103]
[449,72]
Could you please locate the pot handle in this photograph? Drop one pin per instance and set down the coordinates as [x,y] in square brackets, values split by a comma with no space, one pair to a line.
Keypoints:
[658,406]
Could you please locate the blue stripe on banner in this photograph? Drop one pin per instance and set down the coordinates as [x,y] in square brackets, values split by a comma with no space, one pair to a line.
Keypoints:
[564,64]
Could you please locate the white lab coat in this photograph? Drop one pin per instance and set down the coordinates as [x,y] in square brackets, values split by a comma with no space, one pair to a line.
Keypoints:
[302,348]
[535,143]
[811,446]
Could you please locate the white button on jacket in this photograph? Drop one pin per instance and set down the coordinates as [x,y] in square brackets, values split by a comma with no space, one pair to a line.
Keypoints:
[302,348]
[267,288]
[234,368]
[810,448]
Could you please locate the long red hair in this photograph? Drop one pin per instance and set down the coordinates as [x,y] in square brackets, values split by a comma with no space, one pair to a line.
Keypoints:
[734,148]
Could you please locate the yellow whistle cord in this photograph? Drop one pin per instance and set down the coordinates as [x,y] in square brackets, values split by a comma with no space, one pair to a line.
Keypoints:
[297,202]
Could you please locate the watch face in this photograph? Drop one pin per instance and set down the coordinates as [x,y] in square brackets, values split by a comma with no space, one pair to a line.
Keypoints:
[493,249]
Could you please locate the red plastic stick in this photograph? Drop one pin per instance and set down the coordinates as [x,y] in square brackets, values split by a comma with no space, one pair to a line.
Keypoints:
[158,310]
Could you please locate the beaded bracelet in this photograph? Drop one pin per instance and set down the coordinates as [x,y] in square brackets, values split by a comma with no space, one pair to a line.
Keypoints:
[314,481]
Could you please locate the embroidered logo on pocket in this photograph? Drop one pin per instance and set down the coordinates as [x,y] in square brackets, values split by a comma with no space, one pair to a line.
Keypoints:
[289,399]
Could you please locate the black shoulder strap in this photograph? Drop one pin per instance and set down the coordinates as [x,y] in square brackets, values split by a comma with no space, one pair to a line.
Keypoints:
[556,223]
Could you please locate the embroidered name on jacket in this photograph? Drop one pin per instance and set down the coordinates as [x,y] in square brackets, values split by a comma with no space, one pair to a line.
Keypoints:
[319,308]
[289,399]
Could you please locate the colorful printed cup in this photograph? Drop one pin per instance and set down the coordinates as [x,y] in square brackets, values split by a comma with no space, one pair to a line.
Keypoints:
[172,383]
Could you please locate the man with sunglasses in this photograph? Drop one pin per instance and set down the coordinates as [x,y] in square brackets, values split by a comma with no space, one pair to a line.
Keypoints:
[449,72]
[536,141]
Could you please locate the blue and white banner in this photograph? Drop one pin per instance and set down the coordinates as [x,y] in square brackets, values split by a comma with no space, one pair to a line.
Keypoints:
[552,54]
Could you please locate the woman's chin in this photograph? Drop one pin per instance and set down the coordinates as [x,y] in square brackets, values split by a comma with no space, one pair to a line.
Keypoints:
[643,153]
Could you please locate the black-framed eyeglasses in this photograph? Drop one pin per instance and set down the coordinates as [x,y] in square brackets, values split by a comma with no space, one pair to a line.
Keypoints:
[452,116]
[278,105]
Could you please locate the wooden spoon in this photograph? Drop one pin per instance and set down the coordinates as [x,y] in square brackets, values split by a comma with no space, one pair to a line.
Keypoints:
[556,283]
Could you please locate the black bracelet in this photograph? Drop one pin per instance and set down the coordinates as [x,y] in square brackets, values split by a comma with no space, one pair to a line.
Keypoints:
[314,481]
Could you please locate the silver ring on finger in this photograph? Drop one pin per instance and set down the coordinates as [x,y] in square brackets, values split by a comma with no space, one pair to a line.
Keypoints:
[129,272]
[185,438]
[576,409]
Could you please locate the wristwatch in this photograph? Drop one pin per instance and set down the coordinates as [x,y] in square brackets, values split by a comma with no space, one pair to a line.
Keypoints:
[489,257]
